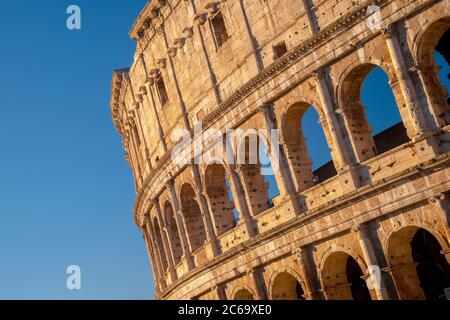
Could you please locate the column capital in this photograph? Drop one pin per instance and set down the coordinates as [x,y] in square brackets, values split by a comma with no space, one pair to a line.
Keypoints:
[319,74]
[387,32]
[265,107]
[146,216]
[436,199]
[155,202]
[355,229]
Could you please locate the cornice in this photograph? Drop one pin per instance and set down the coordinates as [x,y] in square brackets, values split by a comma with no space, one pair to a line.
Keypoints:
[265,76]
[346,200]
[269,73]
[116,97]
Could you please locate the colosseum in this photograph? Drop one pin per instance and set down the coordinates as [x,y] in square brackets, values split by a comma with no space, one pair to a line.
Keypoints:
[373,223]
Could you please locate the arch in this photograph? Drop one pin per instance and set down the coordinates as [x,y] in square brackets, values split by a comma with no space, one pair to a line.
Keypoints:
[434,37]
[192,216]
[243,293]
[249,166]
[341,277]
[286,284]
[159,243]
[419,269]
[173,233]
[294,138]
[358,131]
[220,198]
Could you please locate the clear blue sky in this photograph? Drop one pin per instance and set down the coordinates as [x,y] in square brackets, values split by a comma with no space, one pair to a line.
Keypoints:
[66,193]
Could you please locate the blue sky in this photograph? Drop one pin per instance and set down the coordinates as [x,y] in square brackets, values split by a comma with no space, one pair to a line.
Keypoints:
[66,193]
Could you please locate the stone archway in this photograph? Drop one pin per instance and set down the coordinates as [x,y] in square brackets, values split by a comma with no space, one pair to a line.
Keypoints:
[243,294]
[342,278]
[249,168]
[419,269]
[195,228]
[358,132]
[159,243]
[220,198]
[295,139]
[172,230]
[435,38]
[286,287]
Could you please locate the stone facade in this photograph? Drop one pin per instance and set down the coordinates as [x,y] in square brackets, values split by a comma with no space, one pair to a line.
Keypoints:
[381,207]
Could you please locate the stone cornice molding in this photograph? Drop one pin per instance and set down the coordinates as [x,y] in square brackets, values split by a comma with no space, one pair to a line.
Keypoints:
[266,75]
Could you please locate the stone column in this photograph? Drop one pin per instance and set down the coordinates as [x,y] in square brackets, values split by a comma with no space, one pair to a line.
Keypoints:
[408,90]
[134,157]
[311,18]
[205,212]
[137,123]
[439,114]
[278,159]
[348,173]
[140,132]
[258,283]
[150,254]
[180,225]
[377,281]
[181,103]
[242,172]
[212,76]
[157,249]
[343,158]
[150,82]
[251,38]
[129,159]
[166,243]
[240,201]
[221,292]
[305,270]
[440,204]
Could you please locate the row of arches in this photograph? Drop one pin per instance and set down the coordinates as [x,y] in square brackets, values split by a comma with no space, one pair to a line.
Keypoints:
[418,268]
[310,158]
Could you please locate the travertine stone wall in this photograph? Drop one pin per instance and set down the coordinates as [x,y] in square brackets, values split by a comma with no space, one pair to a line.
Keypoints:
[211,229]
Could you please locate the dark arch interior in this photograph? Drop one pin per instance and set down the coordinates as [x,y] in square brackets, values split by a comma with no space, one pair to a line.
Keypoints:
[243,294]
[443,49]
[432,268]
[443,46]
[287,287]
[357,284]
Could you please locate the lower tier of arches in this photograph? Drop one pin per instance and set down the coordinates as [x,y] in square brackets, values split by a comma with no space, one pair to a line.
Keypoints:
[394,244]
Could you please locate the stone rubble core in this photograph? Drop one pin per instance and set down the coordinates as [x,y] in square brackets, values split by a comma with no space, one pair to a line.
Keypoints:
[211,230]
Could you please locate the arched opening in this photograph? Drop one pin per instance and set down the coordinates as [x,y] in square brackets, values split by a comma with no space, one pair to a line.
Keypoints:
[307,146]
[254,182]
[342,278]
[286,287]
[172,230]
[442,62]
[369,110]
[220,198]
[433,57]
[159,244]
[419,269]
[268,172]
[192,217]
[244,295]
